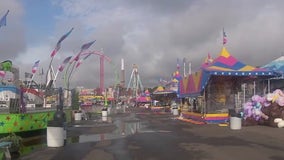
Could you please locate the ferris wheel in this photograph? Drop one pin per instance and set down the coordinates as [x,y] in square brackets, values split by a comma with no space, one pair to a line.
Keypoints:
[135,83]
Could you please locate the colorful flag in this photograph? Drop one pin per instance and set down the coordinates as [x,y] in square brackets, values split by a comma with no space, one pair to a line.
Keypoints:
[3,20]
[209,58]
[35,66]
[81,61]
[58,45]
[77,57]
[28,75]
[224,37]
[87,45]
[84,47]
[66,60]
[2,74]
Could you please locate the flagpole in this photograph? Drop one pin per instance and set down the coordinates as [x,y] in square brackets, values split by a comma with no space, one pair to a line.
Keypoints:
[53,75]
[28,86]
[77,65]
[189,68]
[224,37]
[56,49]
[41,79]
[69,76]
[77,57]
[56,75]
[65,75]
[184,63]
[48,71]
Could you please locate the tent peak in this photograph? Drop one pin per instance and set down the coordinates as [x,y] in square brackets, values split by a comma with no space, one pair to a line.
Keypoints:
[225,53]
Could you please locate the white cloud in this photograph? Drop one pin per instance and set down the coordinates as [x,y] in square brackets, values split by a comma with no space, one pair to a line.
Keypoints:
[153,34]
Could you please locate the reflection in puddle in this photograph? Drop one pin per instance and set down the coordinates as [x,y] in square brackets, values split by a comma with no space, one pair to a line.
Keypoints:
[25,150]
[123,129]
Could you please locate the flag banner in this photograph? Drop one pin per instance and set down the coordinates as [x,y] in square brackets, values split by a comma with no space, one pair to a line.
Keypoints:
[66,60]
[2,74]
[35,66]
[84,47]
[28,75]
[87,45]
[81,61]
[3,20]
[209,58]
[224,37]
[58,45]
[77,57]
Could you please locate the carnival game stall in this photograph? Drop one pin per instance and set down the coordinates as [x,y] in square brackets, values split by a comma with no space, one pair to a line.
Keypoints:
[274,83]
[265,110]
[144,100]
[162,99]
[221,87]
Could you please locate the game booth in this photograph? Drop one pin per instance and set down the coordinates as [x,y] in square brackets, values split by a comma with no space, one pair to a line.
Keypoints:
[276,82]
[162,99]
[220,88]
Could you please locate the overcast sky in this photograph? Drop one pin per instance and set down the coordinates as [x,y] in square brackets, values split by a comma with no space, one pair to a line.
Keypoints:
[152,34]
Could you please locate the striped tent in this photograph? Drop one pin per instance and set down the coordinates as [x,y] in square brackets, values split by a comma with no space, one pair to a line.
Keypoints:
[224,65]
[215,87]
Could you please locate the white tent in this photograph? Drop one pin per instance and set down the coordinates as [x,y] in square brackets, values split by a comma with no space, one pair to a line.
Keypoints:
[276,65]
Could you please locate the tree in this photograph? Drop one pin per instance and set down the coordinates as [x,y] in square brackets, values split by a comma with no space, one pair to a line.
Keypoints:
[75,99]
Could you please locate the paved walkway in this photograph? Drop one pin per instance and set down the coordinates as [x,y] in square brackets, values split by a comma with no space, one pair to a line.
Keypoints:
[159,136]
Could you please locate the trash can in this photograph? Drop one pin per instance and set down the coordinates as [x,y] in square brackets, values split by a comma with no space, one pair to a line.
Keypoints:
[104,112]
[235,123]
[55,134]
[175,111]
[235,120]
[78,116]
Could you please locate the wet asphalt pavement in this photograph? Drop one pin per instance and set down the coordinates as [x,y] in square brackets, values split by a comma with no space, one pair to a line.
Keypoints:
[144,135]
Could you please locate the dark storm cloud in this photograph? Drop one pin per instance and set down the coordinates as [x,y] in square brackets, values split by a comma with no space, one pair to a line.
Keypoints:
[153,34]
[12,36]
[156,33]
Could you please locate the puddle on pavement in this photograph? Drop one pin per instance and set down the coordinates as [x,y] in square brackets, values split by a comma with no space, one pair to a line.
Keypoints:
[124,128]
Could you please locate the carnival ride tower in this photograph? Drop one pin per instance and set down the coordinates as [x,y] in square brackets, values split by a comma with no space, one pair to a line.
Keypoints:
[122,74]
[135,82]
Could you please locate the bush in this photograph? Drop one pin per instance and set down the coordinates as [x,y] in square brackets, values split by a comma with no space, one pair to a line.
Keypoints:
[17,142]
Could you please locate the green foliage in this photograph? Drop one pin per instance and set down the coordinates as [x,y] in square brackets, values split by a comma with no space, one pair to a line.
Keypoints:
[75,100]
[17,141]
[6,65]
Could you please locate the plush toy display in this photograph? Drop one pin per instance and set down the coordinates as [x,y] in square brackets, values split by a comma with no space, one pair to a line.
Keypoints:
[267,110]
[279,122]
